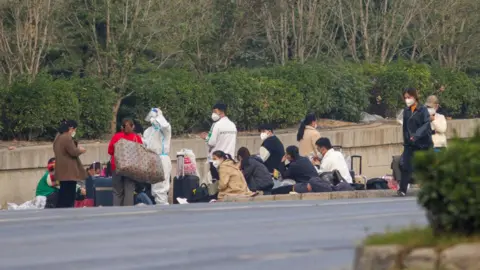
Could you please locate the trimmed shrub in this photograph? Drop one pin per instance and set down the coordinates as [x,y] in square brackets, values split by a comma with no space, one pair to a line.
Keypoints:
[35,109]
[397,76]
[185,100]
[460,97]
[253,99]
[450,182]
[96,106]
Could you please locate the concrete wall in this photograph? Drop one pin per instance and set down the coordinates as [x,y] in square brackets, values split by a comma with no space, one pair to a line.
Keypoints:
[20,169]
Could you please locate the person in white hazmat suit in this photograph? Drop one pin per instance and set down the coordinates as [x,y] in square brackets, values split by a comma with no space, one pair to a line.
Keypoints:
[158,138]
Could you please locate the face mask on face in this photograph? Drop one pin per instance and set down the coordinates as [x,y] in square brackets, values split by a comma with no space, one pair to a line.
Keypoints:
[431,111]
[320,155]
[215,117]
[74,133]
[409,102]
[263,136]
[215,163]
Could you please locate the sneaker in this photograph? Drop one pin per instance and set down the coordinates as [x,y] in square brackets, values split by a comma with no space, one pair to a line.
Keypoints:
[401,194]
[182,201]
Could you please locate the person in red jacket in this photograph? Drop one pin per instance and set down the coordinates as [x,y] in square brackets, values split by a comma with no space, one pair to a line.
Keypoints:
[123,187]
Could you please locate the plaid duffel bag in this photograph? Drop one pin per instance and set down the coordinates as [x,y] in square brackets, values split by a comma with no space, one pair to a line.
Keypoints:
[134,161]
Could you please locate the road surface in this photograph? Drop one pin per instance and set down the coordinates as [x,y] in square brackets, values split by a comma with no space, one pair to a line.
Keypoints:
[272,235]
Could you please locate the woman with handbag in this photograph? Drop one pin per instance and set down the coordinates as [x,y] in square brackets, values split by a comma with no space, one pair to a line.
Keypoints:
[123,187]
[68,168]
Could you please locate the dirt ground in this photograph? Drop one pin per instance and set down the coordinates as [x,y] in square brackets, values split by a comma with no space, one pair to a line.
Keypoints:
[322,124]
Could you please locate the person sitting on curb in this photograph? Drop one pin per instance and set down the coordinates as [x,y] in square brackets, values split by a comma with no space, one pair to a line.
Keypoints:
[255,172]
[232,181]
[331,160]
[47,186]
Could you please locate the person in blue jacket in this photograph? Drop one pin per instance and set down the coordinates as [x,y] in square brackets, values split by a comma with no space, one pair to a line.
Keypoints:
[417,134]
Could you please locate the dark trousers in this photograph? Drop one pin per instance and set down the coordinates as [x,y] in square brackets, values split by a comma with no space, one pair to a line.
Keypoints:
[123,190]
[52,200]
[407,168]
[66,194]
[214,172]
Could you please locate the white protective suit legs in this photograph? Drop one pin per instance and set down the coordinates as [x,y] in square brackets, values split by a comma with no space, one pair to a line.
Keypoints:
[160,190]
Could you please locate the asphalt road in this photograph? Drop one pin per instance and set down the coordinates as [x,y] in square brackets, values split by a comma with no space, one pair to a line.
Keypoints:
[299,235]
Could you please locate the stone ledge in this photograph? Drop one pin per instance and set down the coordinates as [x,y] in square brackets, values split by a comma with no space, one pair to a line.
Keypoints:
[392,257]
[320,196]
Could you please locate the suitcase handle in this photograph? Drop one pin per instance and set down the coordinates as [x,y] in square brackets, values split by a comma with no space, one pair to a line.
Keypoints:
[352,158]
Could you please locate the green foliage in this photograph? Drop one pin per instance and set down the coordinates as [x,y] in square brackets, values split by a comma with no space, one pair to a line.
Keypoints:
[254,99]
[450,182]
[35,109]
[280,95]
[96,104]
[397,76]
[460,97]
[185,100]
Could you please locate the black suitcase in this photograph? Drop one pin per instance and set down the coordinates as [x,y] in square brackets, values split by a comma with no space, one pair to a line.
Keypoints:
[356,186]
[103,195]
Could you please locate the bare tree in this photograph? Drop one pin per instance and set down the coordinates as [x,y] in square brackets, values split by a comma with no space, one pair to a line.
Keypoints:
[26,32]
[118,32]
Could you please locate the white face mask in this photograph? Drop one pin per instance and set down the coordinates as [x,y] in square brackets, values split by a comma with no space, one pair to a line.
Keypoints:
[319,155]
[74,133]
[215,163]
[215,117]
[431,111]
[409,102]
[263,136]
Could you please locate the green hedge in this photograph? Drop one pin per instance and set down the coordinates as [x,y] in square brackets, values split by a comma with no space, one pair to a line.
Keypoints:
[451,186]
[280,95]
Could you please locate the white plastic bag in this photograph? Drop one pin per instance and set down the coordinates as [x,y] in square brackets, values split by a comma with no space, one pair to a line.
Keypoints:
[38,203]
[400,117]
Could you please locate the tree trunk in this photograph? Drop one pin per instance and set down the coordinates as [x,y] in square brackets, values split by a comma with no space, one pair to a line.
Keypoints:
[113,123]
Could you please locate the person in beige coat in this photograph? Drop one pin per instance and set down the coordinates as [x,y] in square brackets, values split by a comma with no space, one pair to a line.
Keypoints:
[68,167]
[307,136]
[438,123]
[232,181]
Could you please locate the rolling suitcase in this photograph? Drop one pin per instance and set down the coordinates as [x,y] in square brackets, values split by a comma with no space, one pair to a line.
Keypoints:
[103,194]
[184,185]
[359,181]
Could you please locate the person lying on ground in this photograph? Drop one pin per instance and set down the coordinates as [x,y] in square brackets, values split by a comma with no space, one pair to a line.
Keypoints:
[297,168]
[331,160]
[255,172]
[232,181]
[47,186]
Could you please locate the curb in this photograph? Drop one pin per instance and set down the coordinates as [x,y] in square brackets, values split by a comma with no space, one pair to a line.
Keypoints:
[339,195]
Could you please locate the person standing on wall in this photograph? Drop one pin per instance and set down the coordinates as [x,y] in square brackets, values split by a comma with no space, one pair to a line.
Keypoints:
[417,134]
[68,167]
[123,187]
[222,136]
[307,136]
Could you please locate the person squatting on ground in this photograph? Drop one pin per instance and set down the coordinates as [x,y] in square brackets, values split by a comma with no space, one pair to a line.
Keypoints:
[157,138]
[123,187]
[417,134]
[68,167]
[47,186]
[231,179]
[439,123]
[308,135]
[271,150]
[222,136]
